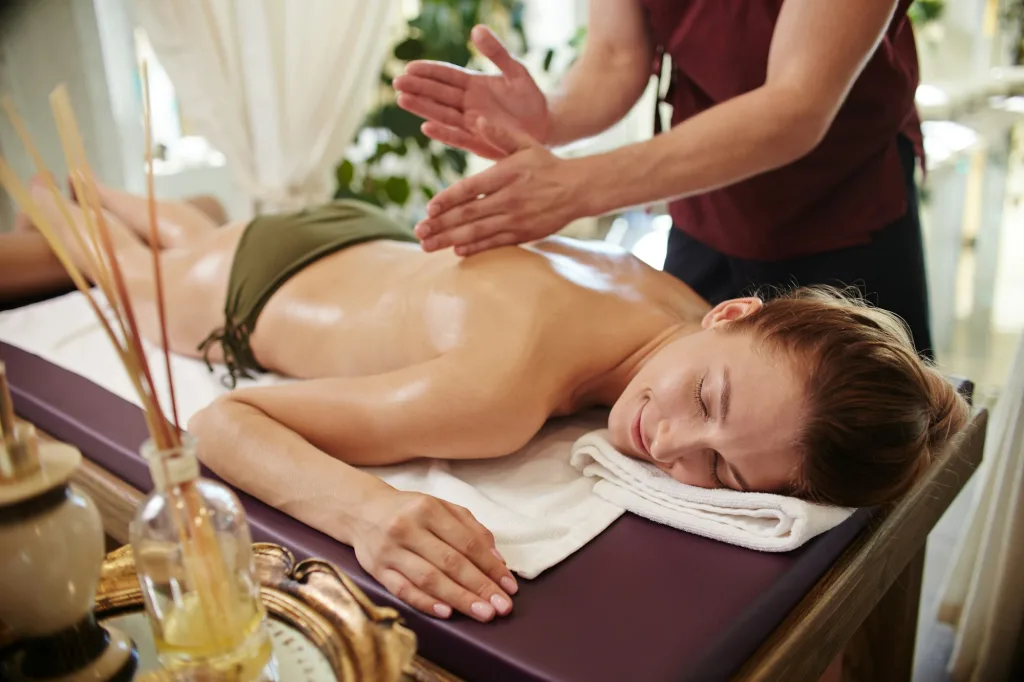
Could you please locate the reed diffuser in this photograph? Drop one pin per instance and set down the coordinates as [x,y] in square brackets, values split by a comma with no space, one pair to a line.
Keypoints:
[190,537]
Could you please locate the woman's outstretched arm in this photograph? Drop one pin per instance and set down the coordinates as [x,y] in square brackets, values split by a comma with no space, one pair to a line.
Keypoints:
[28,267]
[293,446]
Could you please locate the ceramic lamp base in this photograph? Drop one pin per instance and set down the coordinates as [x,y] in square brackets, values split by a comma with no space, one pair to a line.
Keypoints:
[112,658]
[52,536]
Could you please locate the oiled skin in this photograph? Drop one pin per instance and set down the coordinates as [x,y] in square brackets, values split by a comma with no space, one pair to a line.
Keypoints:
[502,340]
[382,306]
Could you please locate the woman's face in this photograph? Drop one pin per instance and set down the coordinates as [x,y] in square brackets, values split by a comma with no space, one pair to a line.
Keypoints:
[713,410]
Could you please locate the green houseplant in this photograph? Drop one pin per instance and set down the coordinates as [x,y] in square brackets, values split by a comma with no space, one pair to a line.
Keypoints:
[394,164]
[1013,20]
[923,11]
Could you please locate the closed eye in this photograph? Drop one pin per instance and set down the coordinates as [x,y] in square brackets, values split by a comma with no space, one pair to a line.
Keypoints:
[698,387]
[715,458]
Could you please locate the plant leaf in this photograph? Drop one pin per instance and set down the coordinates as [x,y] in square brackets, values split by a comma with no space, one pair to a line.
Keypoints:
[400,121]
[398,190]
[344,173]
[457,158]
[410,49]
[548,57]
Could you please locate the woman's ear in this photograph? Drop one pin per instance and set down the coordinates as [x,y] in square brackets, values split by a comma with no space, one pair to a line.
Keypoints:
[733,309]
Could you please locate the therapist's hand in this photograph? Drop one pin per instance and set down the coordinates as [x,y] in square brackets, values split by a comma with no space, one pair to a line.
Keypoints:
[529,195]
[451,98]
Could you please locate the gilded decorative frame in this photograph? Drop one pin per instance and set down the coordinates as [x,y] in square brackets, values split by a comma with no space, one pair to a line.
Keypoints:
[360,640]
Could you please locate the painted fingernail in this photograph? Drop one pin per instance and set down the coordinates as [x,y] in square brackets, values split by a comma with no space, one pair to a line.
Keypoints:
[501,605]
[442,610]
[509,585]
[494,550]
[482,611]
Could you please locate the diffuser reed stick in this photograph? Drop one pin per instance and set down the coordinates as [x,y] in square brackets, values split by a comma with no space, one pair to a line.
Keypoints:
[6,406]
[94,244]
[154,238]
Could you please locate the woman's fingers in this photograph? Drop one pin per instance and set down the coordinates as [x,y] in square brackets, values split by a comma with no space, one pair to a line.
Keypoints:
[400,586]
[508,582]
[474,542]
[434,555]
[423,577]
[466,574]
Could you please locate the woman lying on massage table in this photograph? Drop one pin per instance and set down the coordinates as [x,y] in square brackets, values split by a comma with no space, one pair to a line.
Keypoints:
[408,355]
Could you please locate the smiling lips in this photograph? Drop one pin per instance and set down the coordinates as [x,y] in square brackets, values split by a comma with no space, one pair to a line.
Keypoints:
[638,434]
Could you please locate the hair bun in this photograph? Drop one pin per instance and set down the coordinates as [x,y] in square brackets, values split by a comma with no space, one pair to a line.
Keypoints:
[949,411]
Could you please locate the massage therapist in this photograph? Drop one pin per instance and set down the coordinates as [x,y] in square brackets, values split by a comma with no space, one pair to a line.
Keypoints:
[790,158]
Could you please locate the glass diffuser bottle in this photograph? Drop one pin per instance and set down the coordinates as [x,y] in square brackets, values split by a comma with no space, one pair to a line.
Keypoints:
[193,556]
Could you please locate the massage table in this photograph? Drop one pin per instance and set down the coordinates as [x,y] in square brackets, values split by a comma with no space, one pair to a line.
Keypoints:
[639,602]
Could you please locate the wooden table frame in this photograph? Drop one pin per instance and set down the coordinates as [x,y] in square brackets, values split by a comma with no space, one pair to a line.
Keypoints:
[864,609]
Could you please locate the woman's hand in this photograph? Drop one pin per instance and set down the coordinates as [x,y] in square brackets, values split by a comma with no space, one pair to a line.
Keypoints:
[529,195]
[433,555]
[451,98]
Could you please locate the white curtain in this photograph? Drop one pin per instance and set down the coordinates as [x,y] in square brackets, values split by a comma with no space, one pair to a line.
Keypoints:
[983,598]
[278,86]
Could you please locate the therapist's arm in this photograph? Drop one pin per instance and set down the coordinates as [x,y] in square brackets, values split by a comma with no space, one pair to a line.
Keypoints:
[609,76]
[817,52]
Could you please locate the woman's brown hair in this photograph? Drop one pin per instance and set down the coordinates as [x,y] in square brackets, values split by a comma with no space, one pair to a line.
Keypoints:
[876,413]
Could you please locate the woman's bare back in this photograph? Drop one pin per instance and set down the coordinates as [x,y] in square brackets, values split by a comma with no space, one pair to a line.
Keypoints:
[383,305]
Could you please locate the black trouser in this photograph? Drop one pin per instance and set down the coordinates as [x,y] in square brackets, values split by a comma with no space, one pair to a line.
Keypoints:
[889,270]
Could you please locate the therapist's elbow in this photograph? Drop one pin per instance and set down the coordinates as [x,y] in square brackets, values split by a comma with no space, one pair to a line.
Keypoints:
[798,125]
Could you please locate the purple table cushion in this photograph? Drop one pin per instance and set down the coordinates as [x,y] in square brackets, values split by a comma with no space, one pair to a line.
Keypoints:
[641,601]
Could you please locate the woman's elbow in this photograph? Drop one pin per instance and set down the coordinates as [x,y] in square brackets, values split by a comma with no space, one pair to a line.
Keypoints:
[210,426]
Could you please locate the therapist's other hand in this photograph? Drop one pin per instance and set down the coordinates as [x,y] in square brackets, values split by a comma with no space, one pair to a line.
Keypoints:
[451,98]
[433,555]
[529,195]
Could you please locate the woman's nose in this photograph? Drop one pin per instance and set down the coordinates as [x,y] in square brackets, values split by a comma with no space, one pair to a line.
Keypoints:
[673,441]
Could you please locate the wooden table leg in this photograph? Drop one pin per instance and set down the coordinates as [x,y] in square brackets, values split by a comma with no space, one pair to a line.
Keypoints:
[882,649]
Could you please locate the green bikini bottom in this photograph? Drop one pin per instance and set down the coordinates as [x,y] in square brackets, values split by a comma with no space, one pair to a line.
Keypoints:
[275,248]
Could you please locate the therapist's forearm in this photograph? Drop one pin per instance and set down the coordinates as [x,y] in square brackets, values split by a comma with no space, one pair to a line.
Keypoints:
[596,93]
[742,137]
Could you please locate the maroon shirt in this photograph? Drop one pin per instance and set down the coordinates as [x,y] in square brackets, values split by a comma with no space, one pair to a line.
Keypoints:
[849,186]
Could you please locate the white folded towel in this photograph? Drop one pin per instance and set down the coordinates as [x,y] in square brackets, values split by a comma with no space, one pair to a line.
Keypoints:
[762,521]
